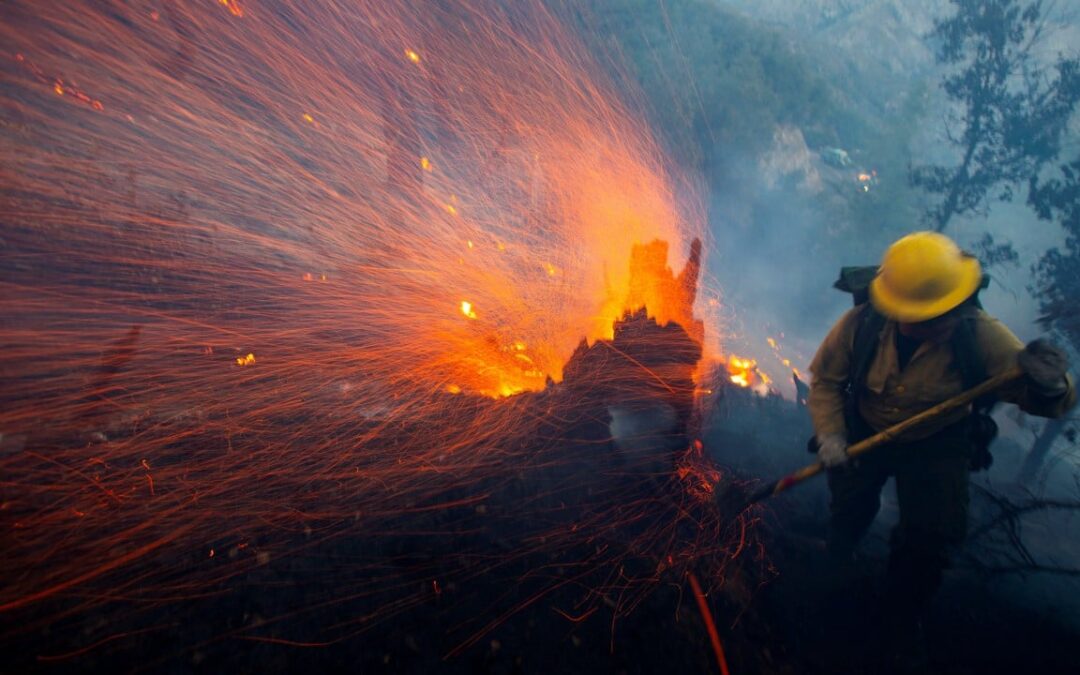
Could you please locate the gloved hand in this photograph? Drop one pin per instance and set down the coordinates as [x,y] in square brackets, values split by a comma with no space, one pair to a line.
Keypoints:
[832,450]
[1045,365]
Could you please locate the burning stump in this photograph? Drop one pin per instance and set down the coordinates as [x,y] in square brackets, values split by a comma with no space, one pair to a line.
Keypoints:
[637,389]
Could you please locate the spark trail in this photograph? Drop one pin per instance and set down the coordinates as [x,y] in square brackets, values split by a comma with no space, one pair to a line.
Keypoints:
[288,271]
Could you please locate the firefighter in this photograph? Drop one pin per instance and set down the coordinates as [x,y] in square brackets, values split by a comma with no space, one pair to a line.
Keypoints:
[920,339]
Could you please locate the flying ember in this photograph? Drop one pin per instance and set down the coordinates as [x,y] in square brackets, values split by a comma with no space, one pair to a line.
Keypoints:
[176,382]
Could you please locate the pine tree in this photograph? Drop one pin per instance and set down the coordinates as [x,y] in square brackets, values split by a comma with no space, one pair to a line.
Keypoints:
[1010,110]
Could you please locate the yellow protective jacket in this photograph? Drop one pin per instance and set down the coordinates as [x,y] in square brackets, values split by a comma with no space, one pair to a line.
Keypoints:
[891,396]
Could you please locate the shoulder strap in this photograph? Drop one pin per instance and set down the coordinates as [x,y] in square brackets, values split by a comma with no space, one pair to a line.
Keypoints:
[864,346]
[967,358]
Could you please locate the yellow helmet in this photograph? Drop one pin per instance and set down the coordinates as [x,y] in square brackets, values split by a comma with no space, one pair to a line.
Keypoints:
[923,276]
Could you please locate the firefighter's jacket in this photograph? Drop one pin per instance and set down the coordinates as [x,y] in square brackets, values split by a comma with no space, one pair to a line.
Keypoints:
[892,396]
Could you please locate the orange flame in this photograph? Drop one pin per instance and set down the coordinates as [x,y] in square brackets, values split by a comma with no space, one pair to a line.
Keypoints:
[744,372]
[230,160]
[233,6]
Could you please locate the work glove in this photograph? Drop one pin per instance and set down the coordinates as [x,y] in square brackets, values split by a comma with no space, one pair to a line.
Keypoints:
[1045,365]
[832,450]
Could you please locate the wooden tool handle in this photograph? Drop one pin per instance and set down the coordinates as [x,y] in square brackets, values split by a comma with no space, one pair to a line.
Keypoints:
[941,409]
[883,437]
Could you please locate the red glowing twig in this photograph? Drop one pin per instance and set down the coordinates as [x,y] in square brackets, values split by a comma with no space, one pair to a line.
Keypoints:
[710,625]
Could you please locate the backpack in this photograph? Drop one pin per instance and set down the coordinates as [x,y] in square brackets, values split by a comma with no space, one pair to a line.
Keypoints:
[982,429]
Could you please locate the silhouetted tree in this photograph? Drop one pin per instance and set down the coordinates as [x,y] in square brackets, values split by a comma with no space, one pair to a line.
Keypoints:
[1011,110]
[1057,274]
[1056,286]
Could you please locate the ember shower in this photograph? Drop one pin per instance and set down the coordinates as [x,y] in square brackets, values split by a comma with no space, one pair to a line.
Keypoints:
[281,272]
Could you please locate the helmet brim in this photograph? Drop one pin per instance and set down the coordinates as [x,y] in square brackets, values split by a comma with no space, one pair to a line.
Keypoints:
[906,310]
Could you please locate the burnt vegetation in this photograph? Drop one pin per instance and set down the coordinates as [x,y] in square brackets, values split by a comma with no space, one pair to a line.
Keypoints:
[554,530]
